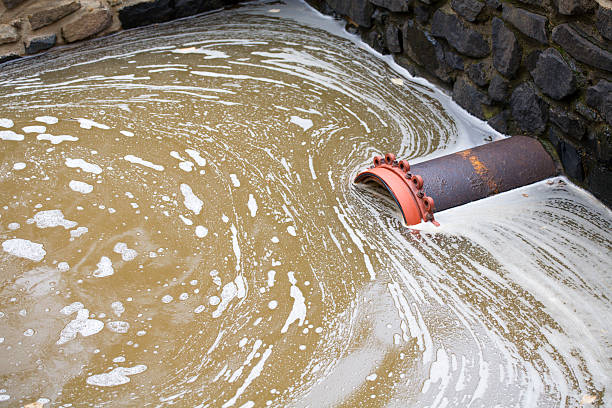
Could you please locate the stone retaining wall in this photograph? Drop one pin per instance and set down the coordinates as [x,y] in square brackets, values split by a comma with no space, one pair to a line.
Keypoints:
[542,68]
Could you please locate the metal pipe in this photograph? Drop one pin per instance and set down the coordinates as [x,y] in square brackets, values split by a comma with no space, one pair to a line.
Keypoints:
[461,177]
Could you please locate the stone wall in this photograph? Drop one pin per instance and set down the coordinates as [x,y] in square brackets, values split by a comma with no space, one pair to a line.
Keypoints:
[542,68]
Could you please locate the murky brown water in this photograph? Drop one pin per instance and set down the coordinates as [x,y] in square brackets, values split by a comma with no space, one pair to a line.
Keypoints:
[179,227]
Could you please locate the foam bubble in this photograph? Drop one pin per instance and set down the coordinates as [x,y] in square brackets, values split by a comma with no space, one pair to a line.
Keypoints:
[118,327]
[191,201]
[83,165]
[88,124]
[51,219]
[49,120]
[252,204]
[19,166]
[6,123]
[10,135]
[303,123]
[56,139]
[117,376]
[138,160]
[24,248]
[105,268]
[201,231]
[80,187]
[34,129]
[127,254]
[63,266]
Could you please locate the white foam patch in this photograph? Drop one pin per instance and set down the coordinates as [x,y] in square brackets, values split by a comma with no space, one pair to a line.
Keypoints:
[51,219]
[186,166]
[298,311]
[83,165]
[252,204]
[191,201]
[19,166]
[24,248]
[210,54]
[34,129]
[49,120]
[195,155]
[126,133]
[271,277]
[118,326]
[57,139]
[127,254]
[105,268]
[185,220]
[291,230]
[88,124]
[303,123]
[138,160]
[10,135]
[117,376]
[118,308]
[77,232]
[6,123]
[63,267]
[167,299]
[201,231]
[235,180]
[13,226]
[82,325]
[229,292]
[80,187]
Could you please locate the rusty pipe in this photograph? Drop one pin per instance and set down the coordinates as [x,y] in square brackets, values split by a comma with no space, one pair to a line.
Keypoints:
[459,178]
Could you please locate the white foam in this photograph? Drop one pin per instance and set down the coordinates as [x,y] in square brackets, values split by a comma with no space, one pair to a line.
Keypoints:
[80,186]
[191,201]
[19,166]
[71,308]
[167,299]
[49,120]
[88,124]
[186,166]
[10,135]
[235,180]
[118,308]
[23,248]
[195,155]
[271,276]
[126,133]
[4,397]
[199,309]
[229,292]
[118,326]
[252,204]
[63,266]
[138,160]
[34,129]
[51,219]
[298,310]
[201,231]
[105,268]
[82,325]
[83,165]
[117,376]
[275,239]
[185,220]
[210,54]
[13,226]
[127,254]
[303,123]
[57,139]
[6,123]
[273,304]
[291,230]
[235,245]
[119,359]
[77,232]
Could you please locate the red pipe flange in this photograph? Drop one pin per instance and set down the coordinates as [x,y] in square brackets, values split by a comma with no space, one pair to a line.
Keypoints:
[406,188]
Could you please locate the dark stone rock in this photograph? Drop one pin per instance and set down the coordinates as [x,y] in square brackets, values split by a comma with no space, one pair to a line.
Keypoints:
[581,48]
[376,41]
[393,38]
[421,13]
[599,96]
[425,50]
[574,7]
[468,9]
[380,16]
[571,160]
[494,4]
[351,29]
[44,17]
[555,137]
[8,57]
[36,44]
[360,11]
[532,60]
[507,51]
[586,112]
[569,123]
[454,60]
[184,8]
[9,4]
[463,39]
[599,183]
[397,6]
[553,76]
[531,24]
[498,88]
[601,143]
[499,122]
[8,34]
[470,98]
[604,22]
[90,22]
[480,73]
[144,13]
[529,111]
